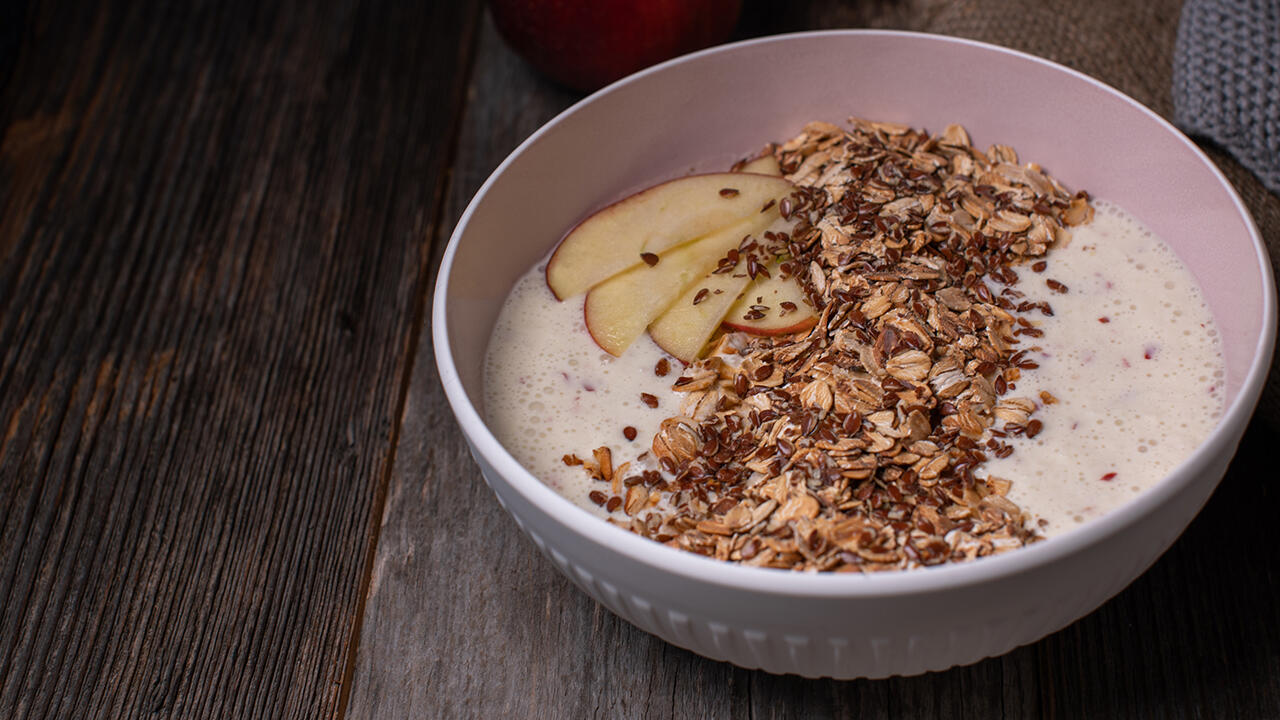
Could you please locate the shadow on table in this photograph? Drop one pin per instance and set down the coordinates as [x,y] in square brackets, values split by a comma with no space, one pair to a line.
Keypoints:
[12,15]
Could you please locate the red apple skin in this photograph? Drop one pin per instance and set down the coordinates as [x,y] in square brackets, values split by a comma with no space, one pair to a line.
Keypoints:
[586,44]
[629,198]
[801,326]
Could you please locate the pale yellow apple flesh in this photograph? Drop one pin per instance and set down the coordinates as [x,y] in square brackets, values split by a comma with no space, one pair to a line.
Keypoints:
[620,308]
[771,293]
[654,220]
[763,165]
[687,326]
[684,329]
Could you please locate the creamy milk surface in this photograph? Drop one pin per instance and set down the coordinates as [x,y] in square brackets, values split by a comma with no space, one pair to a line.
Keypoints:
[1130,358]
[551,391]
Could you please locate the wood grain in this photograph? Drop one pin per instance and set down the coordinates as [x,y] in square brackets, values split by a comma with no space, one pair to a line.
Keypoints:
[466,619]
[214,224]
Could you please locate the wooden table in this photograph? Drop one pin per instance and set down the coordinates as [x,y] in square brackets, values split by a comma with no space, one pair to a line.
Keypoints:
[230,484]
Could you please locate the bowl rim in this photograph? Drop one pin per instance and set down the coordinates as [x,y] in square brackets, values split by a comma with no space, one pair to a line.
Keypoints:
[697,568]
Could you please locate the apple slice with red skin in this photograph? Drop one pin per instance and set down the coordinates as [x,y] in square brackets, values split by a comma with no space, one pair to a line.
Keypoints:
[653,220]
[786,310]
[688,325]
[619,309]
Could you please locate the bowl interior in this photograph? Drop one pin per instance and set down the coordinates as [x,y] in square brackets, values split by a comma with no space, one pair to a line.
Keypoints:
[702,112]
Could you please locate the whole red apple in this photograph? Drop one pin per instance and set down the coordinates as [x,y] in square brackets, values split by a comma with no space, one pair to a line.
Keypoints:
[586,44]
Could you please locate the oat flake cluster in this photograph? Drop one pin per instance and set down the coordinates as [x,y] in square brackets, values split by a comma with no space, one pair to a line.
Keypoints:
[858,445]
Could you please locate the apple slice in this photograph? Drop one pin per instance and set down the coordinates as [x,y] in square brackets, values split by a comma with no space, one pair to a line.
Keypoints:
[783,308]
[763,165]
[620,308]
[653,220]
[684,329]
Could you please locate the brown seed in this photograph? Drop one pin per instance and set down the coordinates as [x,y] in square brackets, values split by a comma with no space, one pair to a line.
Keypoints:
[649,258]
[1055,286]
[629,432]
[1039,266]
[614,503]
[810,422]
[650,400]
[728,192]
[723,506]
[662,368]
[701,295]
[1034,427]
[597,497]
[763,372]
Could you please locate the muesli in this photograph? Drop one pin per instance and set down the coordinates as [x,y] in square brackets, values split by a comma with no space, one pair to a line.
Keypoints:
[863,441]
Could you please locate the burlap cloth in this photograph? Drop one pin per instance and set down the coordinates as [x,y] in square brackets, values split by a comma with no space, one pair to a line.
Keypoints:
[1128,44]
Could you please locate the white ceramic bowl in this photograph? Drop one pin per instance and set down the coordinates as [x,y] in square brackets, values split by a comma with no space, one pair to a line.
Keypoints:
[701,112]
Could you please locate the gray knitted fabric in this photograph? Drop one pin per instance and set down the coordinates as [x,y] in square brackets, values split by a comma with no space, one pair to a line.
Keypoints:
[1226,80]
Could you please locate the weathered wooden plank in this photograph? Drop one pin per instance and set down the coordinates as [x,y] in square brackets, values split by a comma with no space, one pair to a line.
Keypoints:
[215,227]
